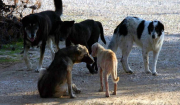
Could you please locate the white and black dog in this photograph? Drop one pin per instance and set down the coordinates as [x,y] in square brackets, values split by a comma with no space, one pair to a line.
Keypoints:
[149,35]
[41,28]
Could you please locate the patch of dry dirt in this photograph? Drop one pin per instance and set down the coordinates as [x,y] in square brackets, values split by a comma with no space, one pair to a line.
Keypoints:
[19,86]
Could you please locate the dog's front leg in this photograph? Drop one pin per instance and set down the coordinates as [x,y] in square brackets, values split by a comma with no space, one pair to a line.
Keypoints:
[25,56]
[94,65]
[124,62]
[76,89]
[146,60]
[69,79]
[101,79]
[42,50]
[155,58]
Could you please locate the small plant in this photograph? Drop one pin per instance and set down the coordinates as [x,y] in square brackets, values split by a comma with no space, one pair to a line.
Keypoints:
[9,55]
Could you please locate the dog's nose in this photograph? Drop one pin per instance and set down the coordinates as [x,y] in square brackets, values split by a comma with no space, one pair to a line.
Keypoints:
[61,39]
[153,36]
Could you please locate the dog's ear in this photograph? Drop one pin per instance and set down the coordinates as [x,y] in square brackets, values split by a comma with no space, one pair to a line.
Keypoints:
[160,26]
[78,49]
[24,21]
[94,49]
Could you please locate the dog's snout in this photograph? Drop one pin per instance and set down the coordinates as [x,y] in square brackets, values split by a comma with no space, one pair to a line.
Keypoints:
[32,35]
[88,59]
[153,36]
[61,39]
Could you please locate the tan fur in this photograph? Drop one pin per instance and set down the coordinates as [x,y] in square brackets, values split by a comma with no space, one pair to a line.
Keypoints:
[107,62]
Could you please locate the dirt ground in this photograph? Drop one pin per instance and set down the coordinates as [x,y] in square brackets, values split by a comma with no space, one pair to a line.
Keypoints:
[19,85]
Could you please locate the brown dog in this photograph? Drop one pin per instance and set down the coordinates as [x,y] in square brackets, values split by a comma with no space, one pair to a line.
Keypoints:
[107,62]
[53,81]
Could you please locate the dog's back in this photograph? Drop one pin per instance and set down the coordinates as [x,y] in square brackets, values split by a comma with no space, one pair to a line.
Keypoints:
[89,31]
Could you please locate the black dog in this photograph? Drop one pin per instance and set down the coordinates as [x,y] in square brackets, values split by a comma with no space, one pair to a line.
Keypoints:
[53,81]
[86,33]
[42,28]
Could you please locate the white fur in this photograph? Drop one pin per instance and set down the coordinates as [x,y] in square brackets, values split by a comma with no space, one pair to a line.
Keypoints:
[147,43]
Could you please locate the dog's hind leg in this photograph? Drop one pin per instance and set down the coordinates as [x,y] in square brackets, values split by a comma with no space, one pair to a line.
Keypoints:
[146,60]
[25,56]
[106,84]
[115,89]
[155,58]
[50,45]
[126,49]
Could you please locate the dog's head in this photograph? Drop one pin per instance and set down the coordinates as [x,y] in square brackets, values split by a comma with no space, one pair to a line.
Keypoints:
[155,29]
[95,47]
[82,55]
[65,29]
[31,26]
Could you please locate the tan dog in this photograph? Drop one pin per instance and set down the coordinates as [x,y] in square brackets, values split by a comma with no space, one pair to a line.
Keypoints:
[107,62]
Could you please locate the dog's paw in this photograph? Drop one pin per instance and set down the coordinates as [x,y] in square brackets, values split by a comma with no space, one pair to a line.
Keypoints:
[130,72]
[29,66]
[75,89]
[148,72]
[73,96]
[39,69]
[78,91]
[93,71]
[114,93]
[107,95]
[154,73]
[101,90]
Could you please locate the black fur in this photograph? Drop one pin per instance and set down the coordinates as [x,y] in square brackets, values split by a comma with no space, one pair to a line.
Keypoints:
[122,28]
[48,24]
[140,29]
[136,18]
[48,21]
[57,72]
[159,28]
[59,7]
[86,33]
[150,28]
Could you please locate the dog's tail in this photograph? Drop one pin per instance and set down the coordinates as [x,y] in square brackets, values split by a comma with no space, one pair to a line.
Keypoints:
[102,32]
[58,7]
[115,78]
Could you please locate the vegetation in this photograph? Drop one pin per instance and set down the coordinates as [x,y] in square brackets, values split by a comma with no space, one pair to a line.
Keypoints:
[11,52]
